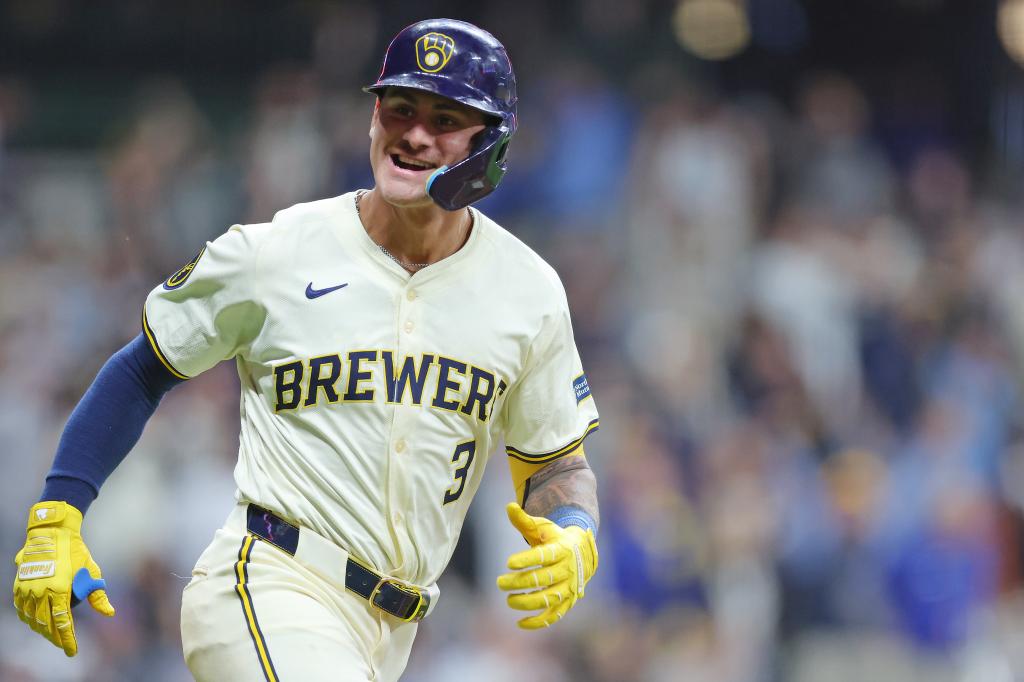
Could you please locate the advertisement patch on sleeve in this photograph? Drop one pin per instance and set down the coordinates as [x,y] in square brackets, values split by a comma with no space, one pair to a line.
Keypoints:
[581,388]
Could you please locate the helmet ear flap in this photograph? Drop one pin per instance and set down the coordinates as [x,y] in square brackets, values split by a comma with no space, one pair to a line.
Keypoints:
[474,177]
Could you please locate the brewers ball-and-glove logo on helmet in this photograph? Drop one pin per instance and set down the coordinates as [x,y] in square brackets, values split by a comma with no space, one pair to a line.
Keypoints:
[433,51]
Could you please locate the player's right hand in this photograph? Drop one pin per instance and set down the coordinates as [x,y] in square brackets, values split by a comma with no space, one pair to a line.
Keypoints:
[551,575]
[55,572]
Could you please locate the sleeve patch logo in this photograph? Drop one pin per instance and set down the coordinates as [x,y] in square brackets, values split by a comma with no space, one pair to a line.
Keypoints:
[181,276]
[581,388]
[433,51]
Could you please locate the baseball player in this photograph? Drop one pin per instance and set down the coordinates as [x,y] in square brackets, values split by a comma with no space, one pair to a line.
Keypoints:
[385,340]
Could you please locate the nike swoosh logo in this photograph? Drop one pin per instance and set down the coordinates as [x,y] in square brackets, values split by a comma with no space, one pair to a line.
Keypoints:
[312,293]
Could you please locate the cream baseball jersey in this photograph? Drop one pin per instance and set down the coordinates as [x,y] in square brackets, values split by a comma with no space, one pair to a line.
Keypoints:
[372,398]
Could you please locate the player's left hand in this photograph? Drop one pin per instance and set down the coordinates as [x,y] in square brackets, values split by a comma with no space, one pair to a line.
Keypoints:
[555,569]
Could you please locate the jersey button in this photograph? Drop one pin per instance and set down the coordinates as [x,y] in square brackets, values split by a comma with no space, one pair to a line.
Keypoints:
[400,446]
[411,294]
[408,326]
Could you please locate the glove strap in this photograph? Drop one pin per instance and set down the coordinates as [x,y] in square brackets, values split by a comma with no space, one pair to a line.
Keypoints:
[53,513]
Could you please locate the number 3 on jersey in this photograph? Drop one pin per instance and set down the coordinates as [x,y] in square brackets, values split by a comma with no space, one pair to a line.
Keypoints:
[463,450]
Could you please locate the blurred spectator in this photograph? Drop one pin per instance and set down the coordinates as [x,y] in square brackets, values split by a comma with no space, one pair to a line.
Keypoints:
[288,158]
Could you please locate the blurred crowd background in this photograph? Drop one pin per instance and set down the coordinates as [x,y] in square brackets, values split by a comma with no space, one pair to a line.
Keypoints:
[792,239]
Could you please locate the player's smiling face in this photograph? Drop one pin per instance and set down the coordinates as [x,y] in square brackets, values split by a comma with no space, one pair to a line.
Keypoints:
[412,134]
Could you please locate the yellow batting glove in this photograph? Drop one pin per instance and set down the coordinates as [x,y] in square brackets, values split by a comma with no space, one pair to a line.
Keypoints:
[551,575]
[55,572]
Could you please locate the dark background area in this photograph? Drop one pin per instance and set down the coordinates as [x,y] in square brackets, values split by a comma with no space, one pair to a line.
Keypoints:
[937,59]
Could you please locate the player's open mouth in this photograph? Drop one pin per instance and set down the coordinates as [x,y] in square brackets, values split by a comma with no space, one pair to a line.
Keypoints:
[406,163]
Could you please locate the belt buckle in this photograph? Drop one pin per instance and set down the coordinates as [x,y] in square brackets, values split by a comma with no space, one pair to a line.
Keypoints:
[421,604]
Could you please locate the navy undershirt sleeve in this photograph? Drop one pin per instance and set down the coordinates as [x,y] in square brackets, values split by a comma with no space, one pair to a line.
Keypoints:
[107,423]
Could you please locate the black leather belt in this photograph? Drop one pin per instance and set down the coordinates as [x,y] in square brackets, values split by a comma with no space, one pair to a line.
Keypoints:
[403,601]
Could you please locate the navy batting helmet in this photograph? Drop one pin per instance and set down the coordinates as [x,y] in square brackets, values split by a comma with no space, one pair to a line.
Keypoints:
[459,61]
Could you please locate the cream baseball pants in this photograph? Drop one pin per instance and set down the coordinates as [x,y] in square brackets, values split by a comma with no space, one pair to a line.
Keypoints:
[253,612]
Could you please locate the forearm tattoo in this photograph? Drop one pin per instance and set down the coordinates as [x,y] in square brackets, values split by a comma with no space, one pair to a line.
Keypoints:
[568,481]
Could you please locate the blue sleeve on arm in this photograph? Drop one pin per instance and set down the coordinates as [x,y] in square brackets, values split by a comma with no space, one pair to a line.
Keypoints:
[107,423]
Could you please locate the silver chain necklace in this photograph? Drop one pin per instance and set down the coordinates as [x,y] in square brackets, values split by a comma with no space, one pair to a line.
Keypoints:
[418,266]
[401,262]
